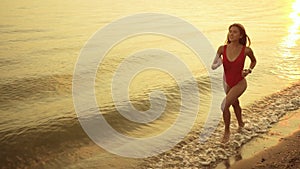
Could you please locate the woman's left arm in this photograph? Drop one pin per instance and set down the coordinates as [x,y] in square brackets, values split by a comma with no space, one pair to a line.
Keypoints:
[250,54]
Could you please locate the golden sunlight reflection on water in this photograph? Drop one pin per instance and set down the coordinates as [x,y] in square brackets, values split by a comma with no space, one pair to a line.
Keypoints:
[290,49]
[291,39]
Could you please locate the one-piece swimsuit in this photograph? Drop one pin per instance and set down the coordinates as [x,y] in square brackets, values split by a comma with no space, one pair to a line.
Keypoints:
[233,69]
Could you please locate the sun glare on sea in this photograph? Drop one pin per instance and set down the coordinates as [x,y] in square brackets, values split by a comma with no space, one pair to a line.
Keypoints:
[293,36]
[289,66]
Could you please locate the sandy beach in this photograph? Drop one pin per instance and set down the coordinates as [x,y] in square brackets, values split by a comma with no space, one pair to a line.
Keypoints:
[261,117]
[285,155]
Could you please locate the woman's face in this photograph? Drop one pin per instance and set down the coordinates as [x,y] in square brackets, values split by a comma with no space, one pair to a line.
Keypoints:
[234,34]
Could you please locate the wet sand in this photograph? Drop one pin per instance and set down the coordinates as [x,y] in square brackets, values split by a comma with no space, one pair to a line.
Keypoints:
[250,153]
[285,155]
[261,117]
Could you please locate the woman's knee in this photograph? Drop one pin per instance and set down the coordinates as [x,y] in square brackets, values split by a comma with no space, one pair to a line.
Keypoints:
[225,106]
[236,104]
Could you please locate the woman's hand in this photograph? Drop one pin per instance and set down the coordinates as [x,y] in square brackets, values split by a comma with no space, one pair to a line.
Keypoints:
[246,72]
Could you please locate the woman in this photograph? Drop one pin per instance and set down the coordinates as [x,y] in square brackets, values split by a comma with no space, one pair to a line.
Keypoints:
[233,58]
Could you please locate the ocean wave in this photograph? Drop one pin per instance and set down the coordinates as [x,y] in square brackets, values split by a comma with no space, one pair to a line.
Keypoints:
[60,133]
[24,143]
[37,138]
[34,88]
[17,31]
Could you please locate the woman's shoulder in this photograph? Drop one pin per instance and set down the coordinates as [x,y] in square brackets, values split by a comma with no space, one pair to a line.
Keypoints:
[221,49]
[222,46]
[248,50]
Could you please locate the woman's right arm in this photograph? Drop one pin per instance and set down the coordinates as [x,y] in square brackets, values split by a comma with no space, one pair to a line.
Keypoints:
[218,60]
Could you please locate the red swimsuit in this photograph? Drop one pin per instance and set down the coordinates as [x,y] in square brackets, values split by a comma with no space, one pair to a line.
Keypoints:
[233,69]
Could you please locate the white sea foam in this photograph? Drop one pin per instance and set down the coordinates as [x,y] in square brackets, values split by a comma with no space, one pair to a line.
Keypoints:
[259,117]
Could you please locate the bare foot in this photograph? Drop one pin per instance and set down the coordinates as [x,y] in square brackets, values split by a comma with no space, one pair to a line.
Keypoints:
[241,126]
[226,137]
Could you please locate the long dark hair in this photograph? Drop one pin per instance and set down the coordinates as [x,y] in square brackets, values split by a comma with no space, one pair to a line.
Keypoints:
[244,38]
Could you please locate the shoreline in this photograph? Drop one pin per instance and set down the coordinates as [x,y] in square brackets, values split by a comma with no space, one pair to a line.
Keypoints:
[261,117]
[250,152]
[190,152]
[286,154]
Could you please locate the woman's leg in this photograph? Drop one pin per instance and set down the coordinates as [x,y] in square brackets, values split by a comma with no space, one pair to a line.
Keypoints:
[226,114]
[226,119]
[232,95]
[238,112]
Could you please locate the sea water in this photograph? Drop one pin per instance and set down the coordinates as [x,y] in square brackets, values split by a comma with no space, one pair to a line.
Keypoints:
[41,41]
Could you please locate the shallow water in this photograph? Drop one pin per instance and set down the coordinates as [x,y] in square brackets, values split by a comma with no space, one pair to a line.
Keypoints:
[259,118]
[41,41]
[286,126]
